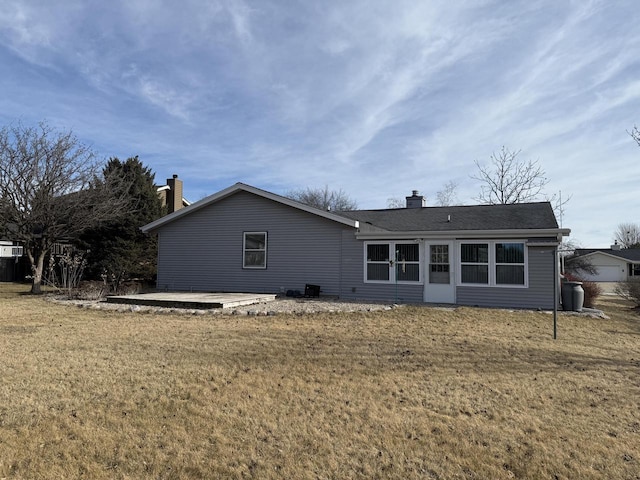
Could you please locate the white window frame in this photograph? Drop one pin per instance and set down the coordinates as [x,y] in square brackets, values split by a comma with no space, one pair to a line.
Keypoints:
[244,251]
[428,253]
[376,262]
[392,268]
[487,263]
[492,264]
[523,264]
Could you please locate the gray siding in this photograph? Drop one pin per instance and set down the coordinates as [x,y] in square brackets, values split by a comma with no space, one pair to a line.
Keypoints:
[354,286]
[538,295]
[203,251]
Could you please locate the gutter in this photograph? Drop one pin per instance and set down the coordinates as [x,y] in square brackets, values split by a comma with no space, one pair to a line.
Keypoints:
[557,233]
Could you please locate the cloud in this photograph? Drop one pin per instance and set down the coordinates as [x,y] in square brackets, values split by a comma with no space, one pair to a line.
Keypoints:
[374,97]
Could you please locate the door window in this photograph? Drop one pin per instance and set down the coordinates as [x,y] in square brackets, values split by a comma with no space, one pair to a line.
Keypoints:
[439,264]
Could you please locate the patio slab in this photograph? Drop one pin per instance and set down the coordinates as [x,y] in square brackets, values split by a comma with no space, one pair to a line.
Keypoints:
[195,300]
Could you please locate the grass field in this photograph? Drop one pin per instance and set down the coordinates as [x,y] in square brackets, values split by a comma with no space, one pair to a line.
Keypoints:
[407,393]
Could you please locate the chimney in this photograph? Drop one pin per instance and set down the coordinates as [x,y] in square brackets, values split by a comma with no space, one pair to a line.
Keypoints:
[174,197]
[415,200]
[615,246]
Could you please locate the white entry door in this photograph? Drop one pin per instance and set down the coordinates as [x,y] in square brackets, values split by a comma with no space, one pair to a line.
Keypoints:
[439,282]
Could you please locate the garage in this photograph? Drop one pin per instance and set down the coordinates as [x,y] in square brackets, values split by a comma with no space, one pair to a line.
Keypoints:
[606,273]
[612,263]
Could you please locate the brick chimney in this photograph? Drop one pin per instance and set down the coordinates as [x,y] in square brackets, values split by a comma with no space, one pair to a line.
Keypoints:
[415,200]
[174,196]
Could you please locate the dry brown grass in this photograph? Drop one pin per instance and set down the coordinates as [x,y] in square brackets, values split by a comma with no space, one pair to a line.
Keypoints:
[407,393]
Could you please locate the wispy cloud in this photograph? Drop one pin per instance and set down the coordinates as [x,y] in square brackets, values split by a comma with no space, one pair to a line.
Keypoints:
[370,96]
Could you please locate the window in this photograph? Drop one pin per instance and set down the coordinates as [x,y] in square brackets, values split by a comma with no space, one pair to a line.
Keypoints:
[493,263]
[254,250]
[392,262]
[407,262]
[474,262]
[60,249]
[510,263]
[634,269]
[378,262]
[439,264]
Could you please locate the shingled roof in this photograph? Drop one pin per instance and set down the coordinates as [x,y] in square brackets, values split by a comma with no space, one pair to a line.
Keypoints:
[631,254]
[473,217]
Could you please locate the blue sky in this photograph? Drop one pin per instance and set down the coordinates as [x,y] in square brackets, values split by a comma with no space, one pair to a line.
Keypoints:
[373,97]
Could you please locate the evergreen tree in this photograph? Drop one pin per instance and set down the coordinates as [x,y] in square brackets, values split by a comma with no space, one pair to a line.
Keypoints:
[118,249]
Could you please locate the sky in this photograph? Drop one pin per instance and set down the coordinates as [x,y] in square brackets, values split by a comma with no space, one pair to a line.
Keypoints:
[375,97]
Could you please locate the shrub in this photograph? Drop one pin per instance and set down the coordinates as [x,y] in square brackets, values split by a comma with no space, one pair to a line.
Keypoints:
[65,270]
[591,292]
[629,290]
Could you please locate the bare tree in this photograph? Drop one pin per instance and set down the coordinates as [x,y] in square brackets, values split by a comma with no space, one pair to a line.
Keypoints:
[627,235]
[444,198]
[447,196]
[323,198]
[395,202]
[507,179]
[50,191]
[635,134]
[579,265]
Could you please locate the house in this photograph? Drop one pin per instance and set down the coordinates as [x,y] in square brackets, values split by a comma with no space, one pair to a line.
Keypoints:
[12,266]
[244,239]
[613,264]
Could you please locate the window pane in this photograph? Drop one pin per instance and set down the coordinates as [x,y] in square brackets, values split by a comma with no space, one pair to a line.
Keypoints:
[254,259]
[254,241]
[439,253]
[439,268]
[378,252]
[439,276]
[474,253]
[408,272]
[510,274]
[378,271]
[509,253]
[255,250]
[475,274]
[408,252]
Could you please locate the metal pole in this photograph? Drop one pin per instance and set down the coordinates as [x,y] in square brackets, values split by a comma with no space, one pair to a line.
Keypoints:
[395,273]
[555,293]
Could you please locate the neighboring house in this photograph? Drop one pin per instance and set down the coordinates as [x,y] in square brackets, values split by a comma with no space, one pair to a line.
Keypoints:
[243,239]
[12,268]
[171,195]
[612,264]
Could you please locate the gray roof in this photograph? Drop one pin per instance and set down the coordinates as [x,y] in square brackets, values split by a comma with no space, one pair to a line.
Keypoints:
[473,217]
[631,254]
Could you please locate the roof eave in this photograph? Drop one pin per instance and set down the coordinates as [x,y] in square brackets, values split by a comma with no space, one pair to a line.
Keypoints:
[558,233]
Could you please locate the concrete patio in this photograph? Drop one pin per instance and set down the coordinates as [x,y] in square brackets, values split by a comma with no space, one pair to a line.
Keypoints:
[195,300]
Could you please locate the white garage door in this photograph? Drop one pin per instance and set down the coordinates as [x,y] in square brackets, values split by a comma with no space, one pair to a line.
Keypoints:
[606,273]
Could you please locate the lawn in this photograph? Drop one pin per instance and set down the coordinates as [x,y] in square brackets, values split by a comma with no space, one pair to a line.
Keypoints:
[408,393]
